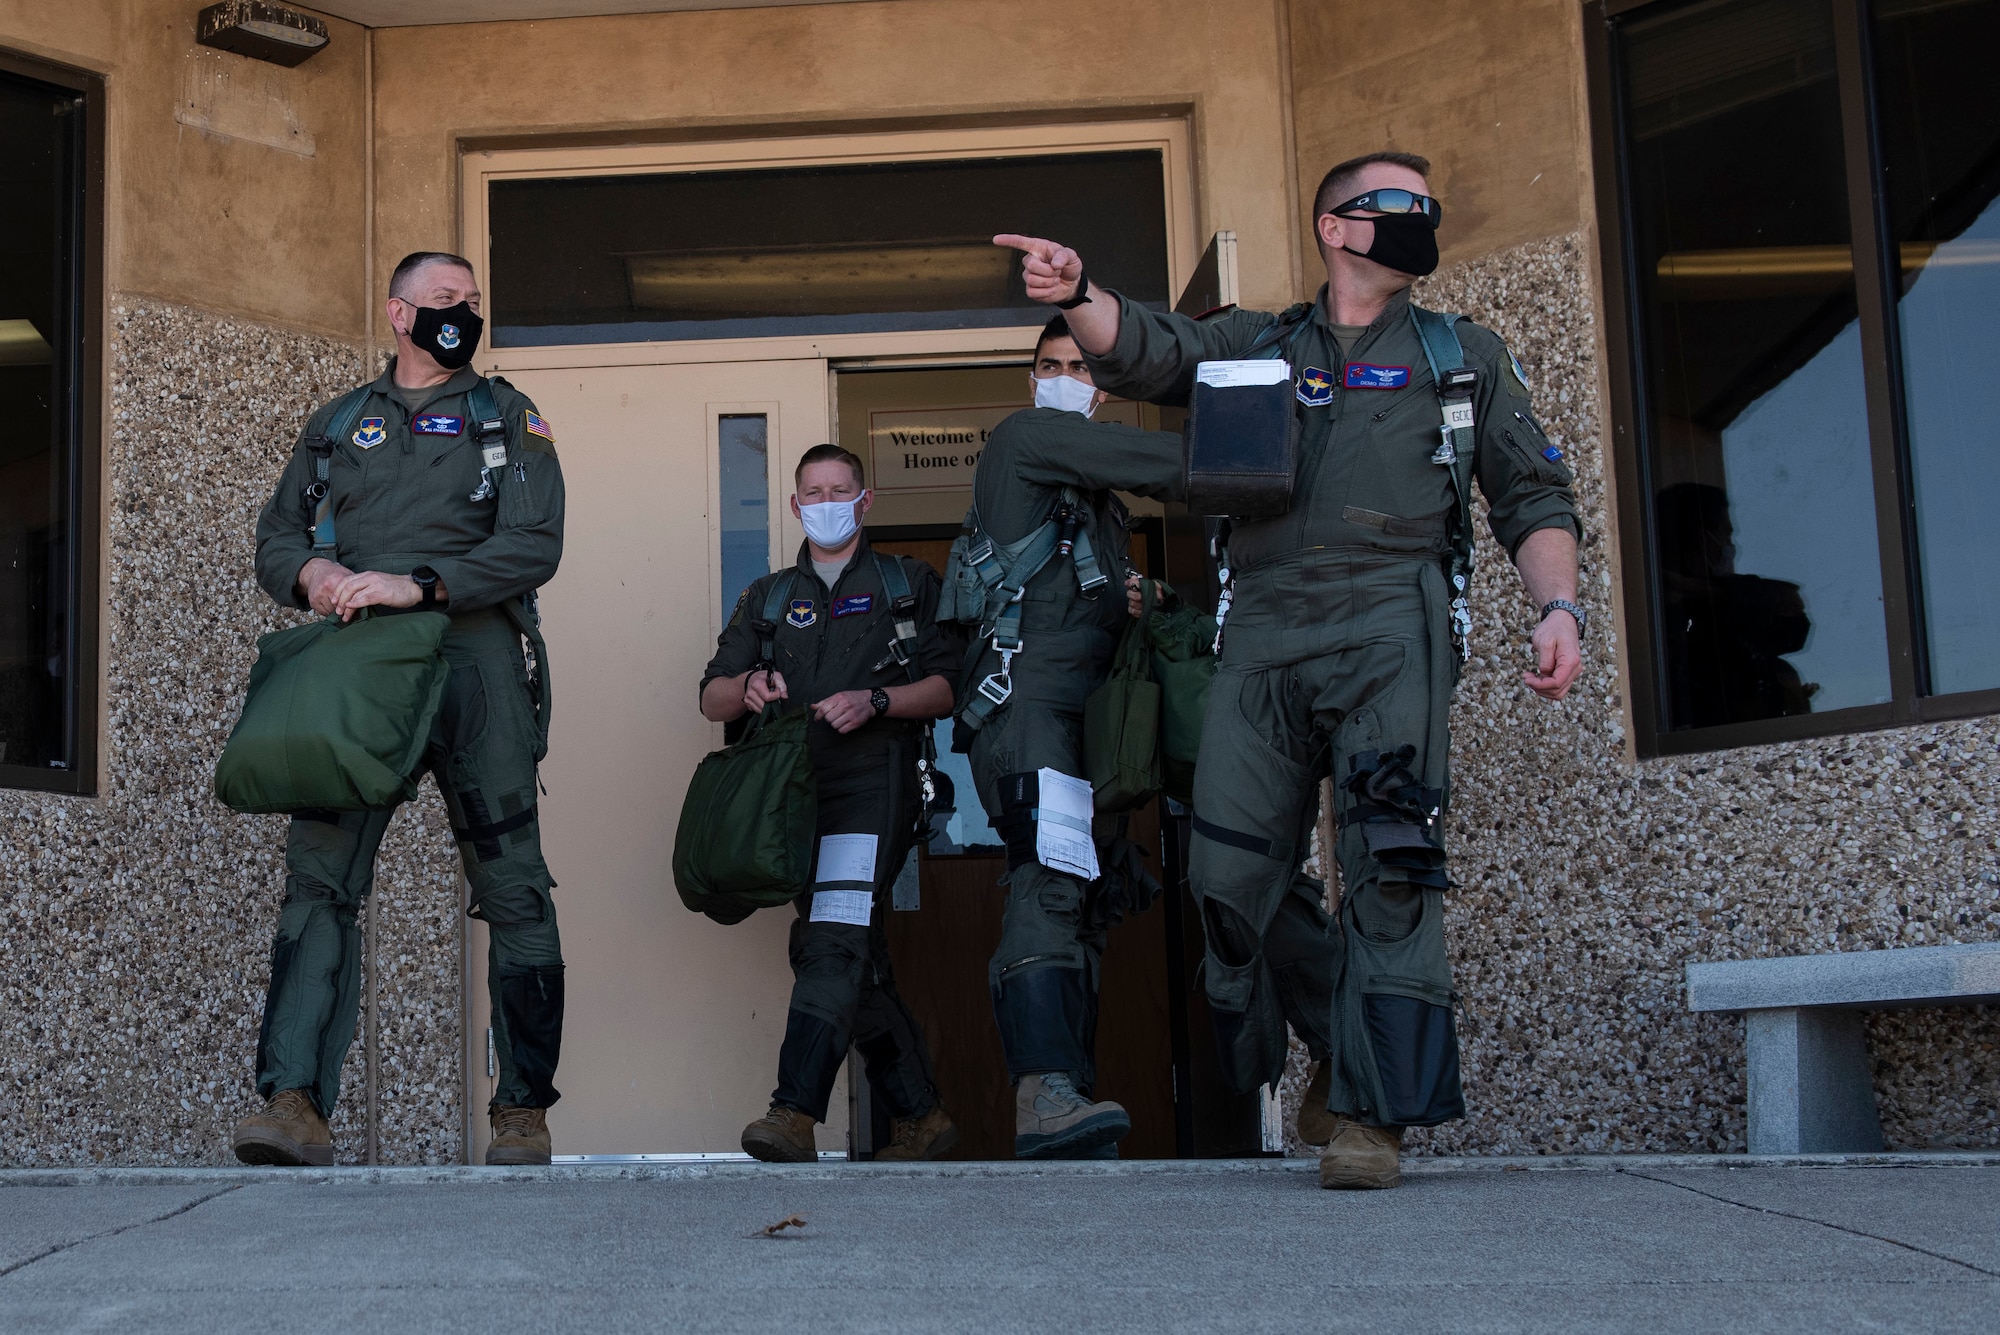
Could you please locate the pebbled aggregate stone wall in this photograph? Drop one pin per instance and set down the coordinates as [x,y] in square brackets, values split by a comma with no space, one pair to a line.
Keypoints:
[136,925]
[1590,882]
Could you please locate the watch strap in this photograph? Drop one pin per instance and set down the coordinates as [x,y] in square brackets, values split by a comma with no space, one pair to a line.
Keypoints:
[1082,292]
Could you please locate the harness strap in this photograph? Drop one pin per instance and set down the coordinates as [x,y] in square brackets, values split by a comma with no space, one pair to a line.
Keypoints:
[340,420]
[766,626]
[1446,354]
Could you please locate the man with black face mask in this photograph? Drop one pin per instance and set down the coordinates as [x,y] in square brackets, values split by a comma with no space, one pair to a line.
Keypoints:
[432,488]
[1341,647]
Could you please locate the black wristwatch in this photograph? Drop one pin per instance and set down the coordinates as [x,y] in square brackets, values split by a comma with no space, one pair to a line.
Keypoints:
[880,699]
[1565,605]
[427,585]
[1082,292]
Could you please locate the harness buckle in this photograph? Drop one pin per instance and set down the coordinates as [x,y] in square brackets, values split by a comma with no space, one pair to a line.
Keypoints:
[998,686]
[1446,453]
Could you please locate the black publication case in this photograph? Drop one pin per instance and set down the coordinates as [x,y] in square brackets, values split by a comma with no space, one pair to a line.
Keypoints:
[1242,450]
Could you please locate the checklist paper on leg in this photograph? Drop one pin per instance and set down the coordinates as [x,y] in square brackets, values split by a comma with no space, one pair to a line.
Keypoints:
[1062,825]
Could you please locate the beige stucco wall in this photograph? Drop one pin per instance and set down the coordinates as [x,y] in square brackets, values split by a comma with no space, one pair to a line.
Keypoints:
[922,62]
[257,215]
[1492,93]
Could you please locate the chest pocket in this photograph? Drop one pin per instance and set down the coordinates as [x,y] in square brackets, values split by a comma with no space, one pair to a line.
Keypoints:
[1395,435]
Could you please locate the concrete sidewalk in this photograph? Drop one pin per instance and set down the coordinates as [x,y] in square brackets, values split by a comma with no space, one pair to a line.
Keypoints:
[1630,1243]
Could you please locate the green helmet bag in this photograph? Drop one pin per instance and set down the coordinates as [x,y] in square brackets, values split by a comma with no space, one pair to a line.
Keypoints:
[745,840]
[336,716]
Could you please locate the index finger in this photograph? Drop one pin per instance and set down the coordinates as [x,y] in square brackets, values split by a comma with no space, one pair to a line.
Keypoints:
[1033,245]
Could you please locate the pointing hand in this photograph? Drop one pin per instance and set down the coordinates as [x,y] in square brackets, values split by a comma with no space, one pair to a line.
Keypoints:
[1050,270]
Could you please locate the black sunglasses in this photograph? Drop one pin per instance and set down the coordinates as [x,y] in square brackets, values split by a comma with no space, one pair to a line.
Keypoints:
[1392,200]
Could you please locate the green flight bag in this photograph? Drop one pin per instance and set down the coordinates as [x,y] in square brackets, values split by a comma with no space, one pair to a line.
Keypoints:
[336,716]
[1121,725]
[745,840]
[1183,644]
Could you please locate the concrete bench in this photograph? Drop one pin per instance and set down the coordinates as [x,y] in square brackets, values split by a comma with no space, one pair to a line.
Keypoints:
[1812,1088]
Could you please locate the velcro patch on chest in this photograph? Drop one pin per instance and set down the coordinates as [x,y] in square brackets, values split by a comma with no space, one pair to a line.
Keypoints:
[854,604]
[437,424]
[1315,387]
[372,432]
[1360,375]
[801,613]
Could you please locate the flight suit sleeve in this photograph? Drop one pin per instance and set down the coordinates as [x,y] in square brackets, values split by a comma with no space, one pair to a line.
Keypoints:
[282,545]
[1058,449]
[1522,474]
[1156,353]
[939,651]
[736,647]
[527,540]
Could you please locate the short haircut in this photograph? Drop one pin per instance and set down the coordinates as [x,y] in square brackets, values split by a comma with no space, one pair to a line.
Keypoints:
[407,269]
[1337,186]
[824,454]
[1056,328]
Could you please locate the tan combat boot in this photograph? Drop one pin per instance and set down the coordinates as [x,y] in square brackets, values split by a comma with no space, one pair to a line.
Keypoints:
[782,1135]
[1362,1158]
[288,1132]
[1053,1121]
[930,1136]
[1315,1122]
[520,1138]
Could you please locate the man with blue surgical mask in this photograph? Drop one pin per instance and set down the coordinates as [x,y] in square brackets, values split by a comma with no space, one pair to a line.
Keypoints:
[1039,577]
[850,634]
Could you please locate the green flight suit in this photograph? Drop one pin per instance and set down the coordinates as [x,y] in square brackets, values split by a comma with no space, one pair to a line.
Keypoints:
[1044,973]
[402,486]
[830,640]
[1337,658]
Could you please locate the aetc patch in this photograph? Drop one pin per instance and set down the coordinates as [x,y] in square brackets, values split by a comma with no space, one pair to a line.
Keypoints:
[448,336]
[370,433]
[854,604]
[802,613]
[438,426]
[1315,388]
[1519,374]
[1360,375]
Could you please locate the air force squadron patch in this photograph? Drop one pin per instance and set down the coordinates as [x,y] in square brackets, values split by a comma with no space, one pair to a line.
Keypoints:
[1315,388]
[371,432]
[437,425]
[1519,374]
[801,613]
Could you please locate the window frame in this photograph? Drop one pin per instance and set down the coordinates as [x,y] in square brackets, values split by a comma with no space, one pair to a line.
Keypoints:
[84,403]
[1876,274]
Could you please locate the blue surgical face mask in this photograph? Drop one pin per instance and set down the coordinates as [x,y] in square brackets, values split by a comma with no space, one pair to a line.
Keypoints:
[831,523]
[1064,393]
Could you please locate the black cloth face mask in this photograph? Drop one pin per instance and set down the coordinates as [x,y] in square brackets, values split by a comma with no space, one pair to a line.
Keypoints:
[450,334]
[1405,242]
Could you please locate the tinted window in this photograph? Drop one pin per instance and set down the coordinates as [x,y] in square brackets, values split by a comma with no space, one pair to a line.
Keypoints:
[874,246]
[1766,578]
[1939,112]
[41,153]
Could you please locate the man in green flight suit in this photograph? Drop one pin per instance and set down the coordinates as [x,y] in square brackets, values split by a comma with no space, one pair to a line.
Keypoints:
[851,634]
[1040,574]
[433,488]
[1341,648]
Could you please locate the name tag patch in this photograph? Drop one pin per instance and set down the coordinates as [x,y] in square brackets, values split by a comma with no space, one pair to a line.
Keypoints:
[1315,388]
[802,613]
[1360,375]
[854,604]
[438,426]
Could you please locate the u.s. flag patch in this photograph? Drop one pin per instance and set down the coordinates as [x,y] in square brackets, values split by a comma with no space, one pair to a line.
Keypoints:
[540,427]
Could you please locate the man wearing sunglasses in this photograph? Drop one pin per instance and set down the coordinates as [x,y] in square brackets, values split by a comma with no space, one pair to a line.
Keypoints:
[1343,642]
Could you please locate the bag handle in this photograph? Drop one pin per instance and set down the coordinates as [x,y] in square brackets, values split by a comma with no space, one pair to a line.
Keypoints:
[1132,660]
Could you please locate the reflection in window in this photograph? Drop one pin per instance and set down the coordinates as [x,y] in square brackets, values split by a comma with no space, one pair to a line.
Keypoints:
[40,151]
[1767,583]
[1940,127]
[812,250]
[744,470]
